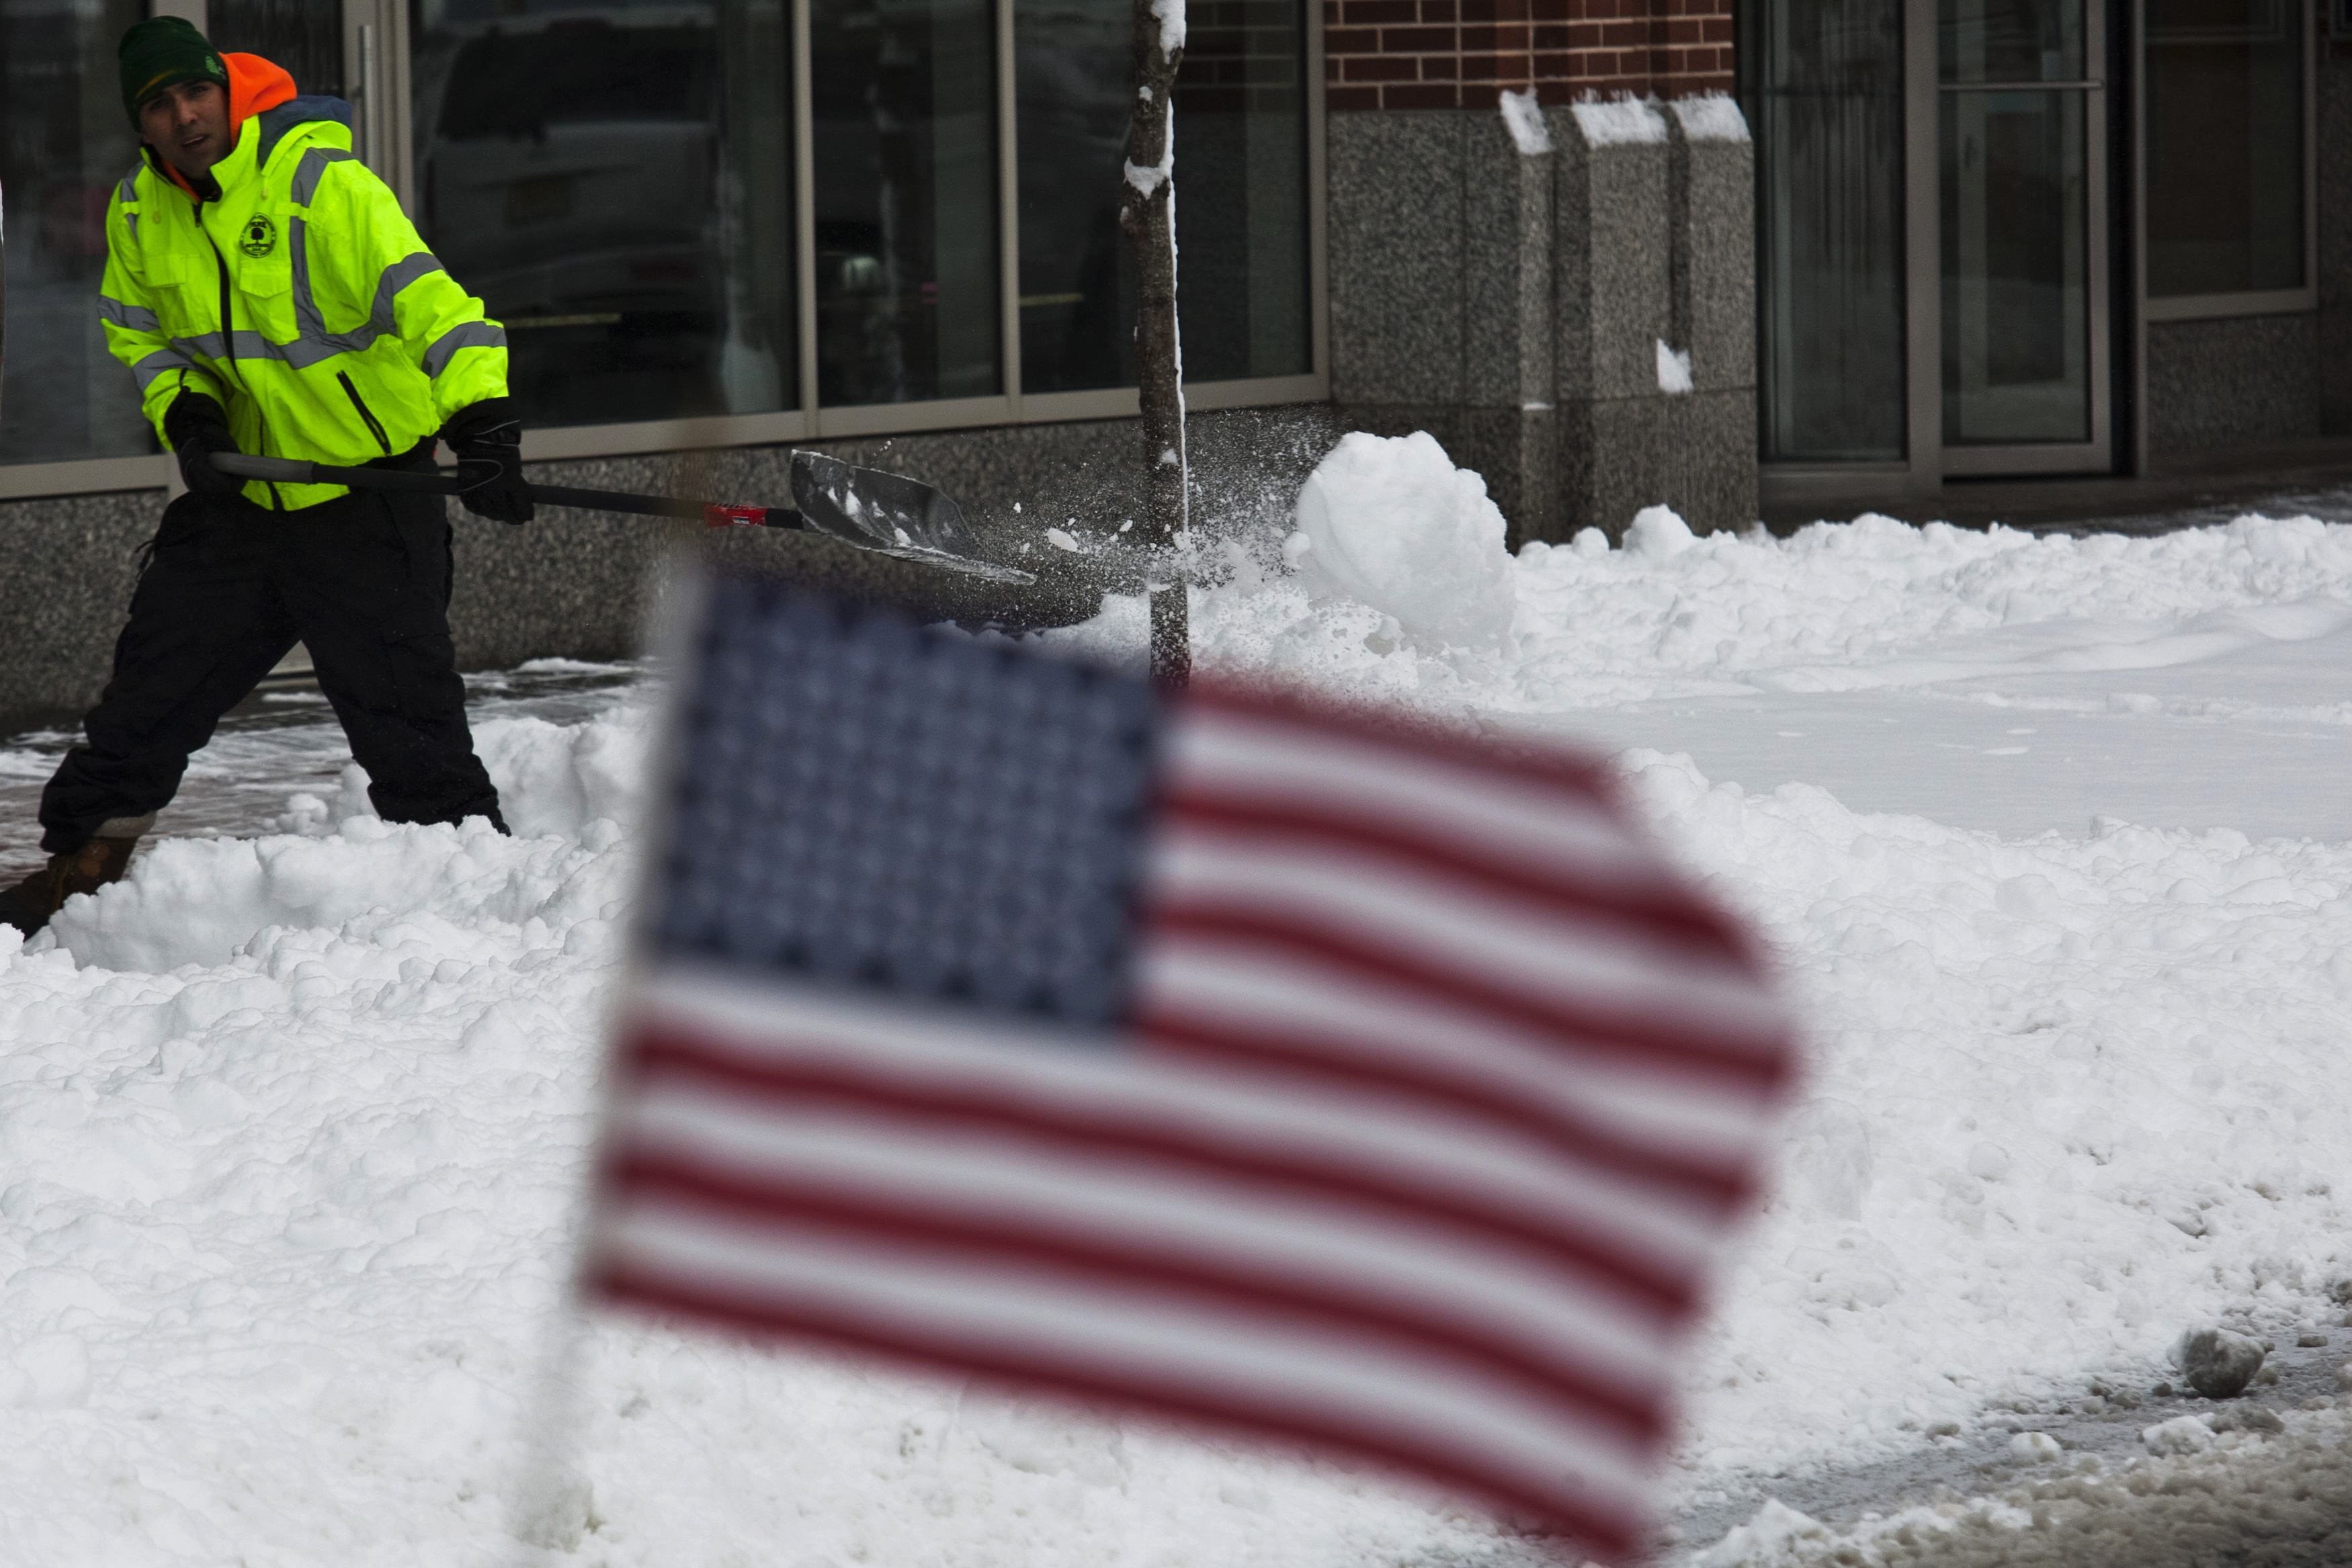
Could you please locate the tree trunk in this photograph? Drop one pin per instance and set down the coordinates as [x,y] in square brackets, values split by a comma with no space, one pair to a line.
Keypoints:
[1146,211]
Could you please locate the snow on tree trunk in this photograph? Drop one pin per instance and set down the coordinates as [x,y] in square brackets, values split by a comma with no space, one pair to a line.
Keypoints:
[1148,213]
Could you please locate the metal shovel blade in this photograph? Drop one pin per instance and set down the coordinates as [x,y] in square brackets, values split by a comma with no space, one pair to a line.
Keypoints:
[891,514]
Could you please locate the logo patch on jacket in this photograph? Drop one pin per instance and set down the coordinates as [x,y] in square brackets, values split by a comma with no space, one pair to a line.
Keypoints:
[260,236]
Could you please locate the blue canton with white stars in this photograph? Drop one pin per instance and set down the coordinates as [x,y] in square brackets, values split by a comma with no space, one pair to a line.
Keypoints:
[864,803]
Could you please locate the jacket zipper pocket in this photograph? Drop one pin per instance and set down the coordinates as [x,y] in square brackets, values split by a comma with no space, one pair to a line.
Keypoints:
[360,404]
[229,322]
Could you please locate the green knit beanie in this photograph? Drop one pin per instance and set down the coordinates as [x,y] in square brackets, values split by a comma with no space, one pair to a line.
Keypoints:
[163,52]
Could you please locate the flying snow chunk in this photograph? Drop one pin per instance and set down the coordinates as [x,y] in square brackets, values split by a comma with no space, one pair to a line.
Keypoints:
[1392,523]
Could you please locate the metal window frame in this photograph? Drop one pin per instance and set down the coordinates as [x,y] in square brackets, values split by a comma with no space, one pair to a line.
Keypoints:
[2258,302]
[2019,459]
[1920,471]
[812,420]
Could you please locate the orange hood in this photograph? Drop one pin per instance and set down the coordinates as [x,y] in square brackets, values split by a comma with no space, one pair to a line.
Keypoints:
[255,87]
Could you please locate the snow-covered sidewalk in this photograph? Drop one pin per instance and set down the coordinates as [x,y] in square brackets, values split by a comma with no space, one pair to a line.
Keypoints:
[294,1121]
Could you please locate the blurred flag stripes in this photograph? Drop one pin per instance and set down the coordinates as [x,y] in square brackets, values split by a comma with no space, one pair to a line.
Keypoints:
[1247,1061]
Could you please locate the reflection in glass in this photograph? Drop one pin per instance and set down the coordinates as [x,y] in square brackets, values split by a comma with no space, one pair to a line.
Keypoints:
[66,144]
[905,104]
[2010,41]
[1240,176]
[303,35]
[615,181]
[2225,146]
[2016,269]
[1826,100]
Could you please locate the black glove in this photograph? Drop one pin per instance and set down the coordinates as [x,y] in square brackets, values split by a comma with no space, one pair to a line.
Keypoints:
[197,426]
[489,433]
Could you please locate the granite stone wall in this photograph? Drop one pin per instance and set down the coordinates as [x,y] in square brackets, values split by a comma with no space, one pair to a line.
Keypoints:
[2335,216]
[1509,294]
[2237,380]
[581,584]
[1440,250]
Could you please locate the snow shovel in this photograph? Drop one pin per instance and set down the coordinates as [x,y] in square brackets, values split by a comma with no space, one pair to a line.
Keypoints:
[886,513]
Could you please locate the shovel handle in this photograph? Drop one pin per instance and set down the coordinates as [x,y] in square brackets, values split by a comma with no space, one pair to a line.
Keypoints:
[299,471]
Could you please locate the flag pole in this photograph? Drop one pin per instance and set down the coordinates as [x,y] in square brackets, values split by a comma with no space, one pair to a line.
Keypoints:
[1147,213]
[548,1497]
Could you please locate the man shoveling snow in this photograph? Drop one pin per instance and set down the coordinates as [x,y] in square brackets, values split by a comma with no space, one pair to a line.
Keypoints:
[270,296]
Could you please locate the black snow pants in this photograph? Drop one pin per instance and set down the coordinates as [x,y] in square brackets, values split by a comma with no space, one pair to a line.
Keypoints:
[363,581]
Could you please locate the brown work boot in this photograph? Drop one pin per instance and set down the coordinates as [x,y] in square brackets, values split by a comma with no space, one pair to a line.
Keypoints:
[28,905]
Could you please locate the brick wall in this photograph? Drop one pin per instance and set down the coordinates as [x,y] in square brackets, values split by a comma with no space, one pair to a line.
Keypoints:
[1459,54]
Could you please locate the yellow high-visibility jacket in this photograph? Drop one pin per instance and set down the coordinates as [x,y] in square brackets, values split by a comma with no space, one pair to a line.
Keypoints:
[303,299]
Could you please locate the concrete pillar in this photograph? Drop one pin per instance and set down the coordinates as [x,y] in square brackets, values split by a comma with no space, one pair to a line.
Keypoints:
[1440,293]
[1505,279]
[1709,472]
[1613,295]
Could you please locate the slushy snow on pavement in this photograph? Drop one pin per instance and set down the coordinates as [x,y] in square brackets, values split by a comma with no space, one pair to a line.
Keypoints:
[295,1122]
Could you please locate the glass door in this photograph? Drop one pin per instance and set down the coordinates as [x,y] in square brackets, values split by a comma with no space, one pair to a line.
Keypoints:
[2022,255]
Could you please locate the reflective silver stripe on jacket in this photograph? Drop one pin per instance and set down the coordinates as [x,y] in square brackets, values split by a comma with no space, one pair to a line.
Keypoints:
[464,335]
[313,168]
[250,345]
[312,342]
[161,362]
[127,192]
[129,318]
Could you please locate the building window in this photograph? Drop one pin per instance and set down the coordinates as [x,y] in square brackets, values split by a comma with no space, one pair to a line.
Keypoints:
[904,100]
[1240,182]
[64,145]
[1825,96]
[616,179]
[2225,147]
[616,185]
[305,37]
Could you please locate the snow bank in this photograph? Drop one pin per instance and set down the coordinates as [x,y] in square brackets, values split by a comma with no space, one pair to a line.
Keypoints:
[295,1130]
[1870,605]
[293,1126]
[2065,1096]
[2070,1094]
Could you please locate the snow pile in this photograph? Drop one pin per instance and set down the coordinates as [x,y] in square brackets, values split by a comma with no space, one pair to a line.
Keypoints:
[1626,121]
[1674,369]
[294,1126]
[2245,1498]
[296,1129]
[2070,1094]
[2064,1097]
[1390,524]
[1523,119]
[1402,555]
[1711,116]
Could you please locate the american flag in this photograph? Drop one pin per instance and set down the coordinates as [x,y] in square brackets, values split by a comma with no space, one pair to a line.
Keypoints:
[1230,1057]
